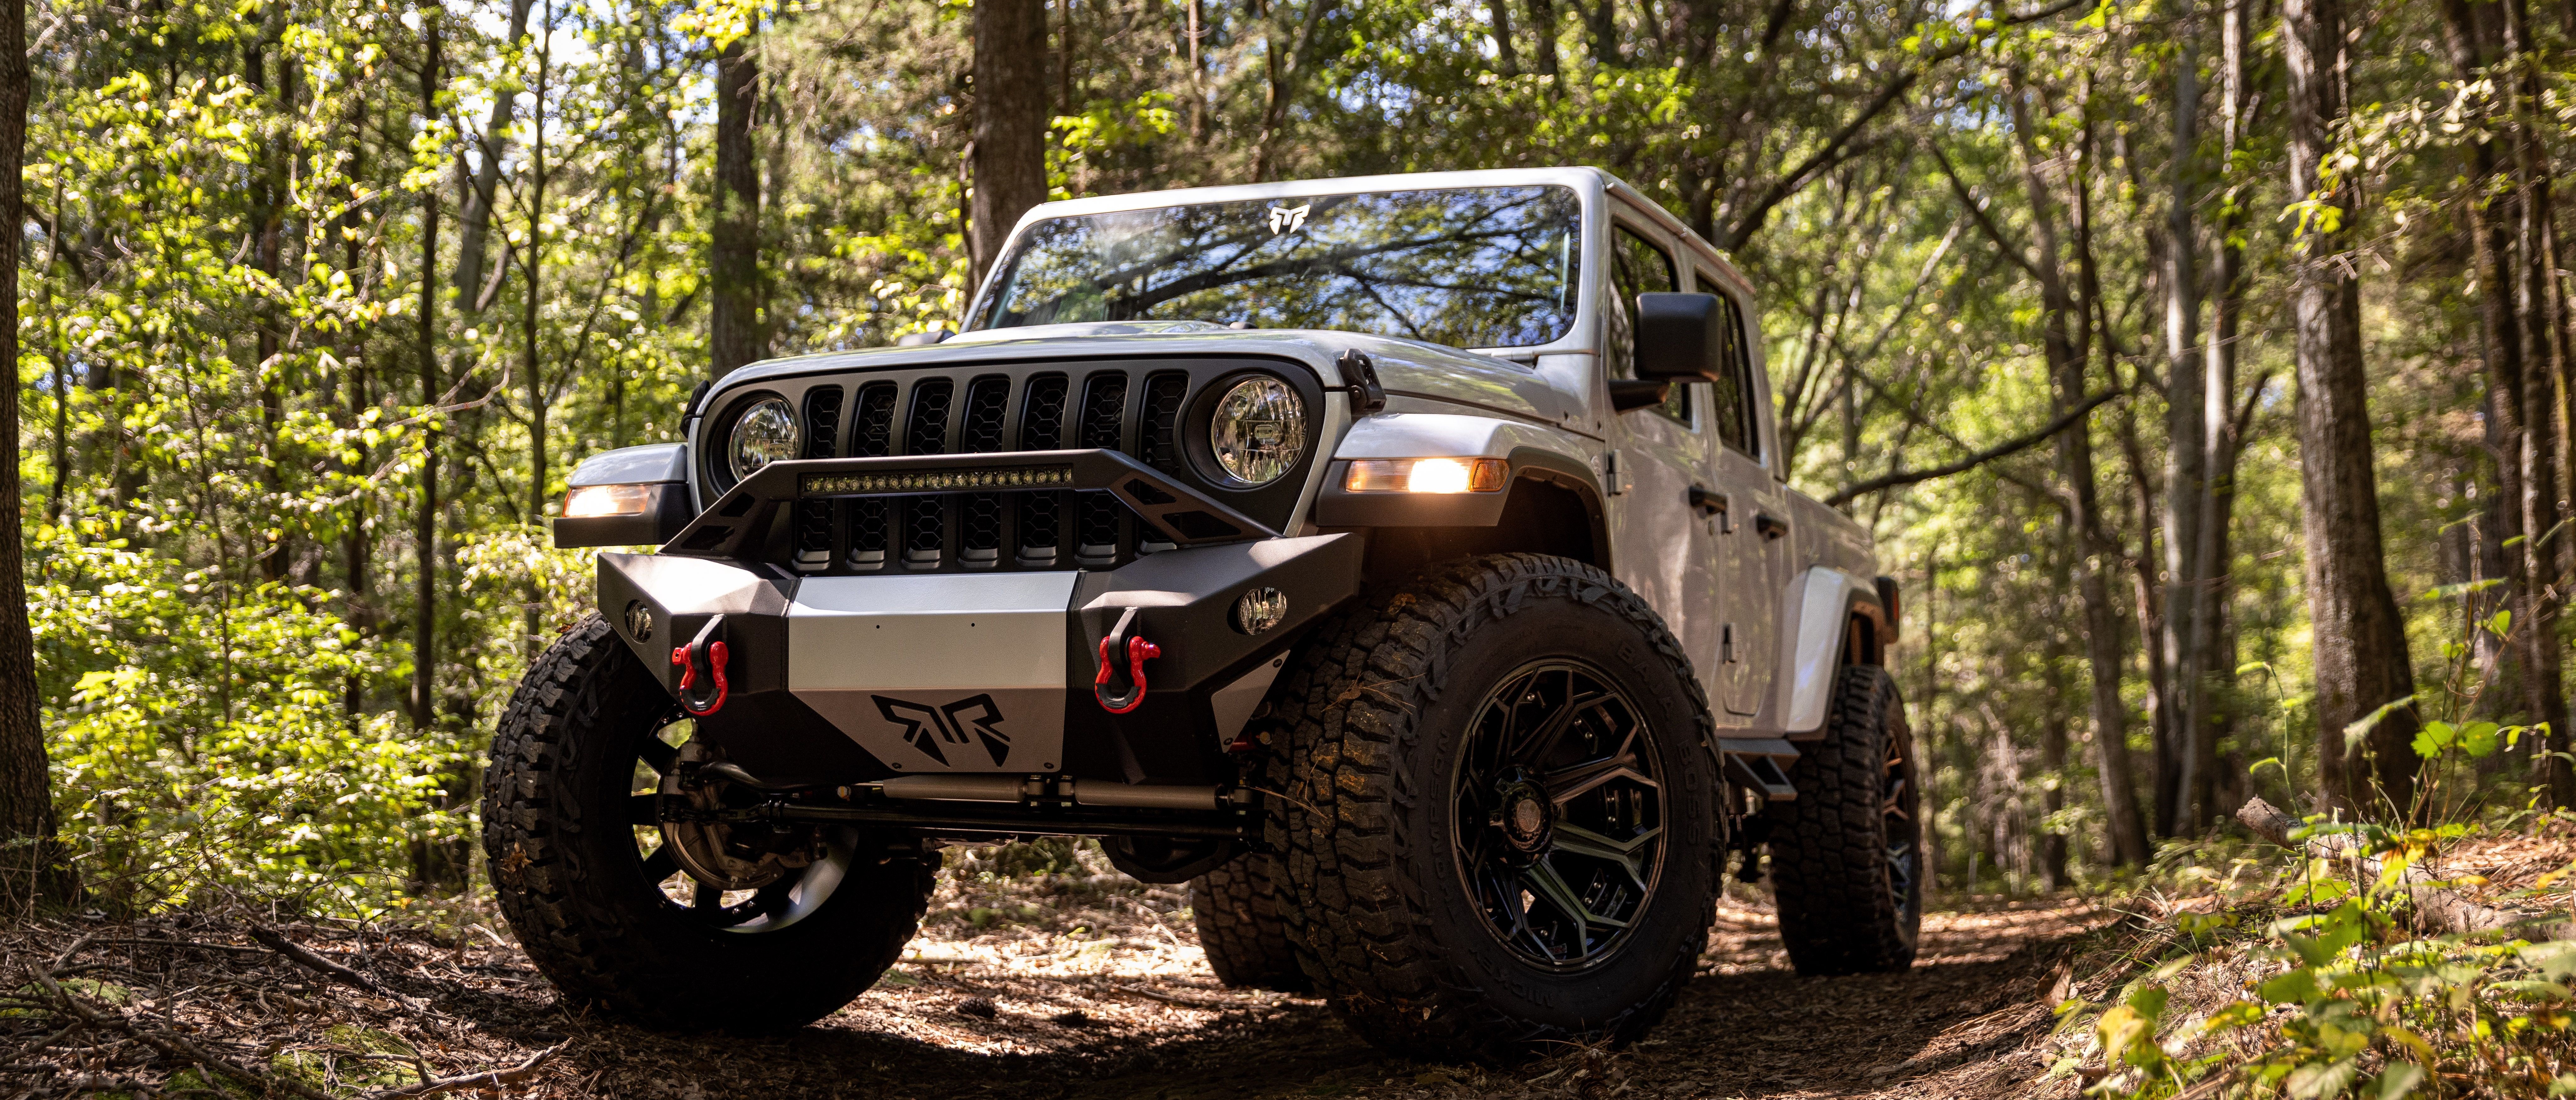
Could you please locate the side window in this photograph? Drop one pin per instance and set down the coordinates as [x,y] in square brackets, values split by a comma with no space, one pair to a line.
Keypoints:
[1731,400]
[1639,266]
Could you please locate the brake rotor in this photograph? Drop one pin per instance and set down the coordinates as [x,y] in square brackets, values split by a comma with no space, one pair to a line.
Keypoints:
[723,854]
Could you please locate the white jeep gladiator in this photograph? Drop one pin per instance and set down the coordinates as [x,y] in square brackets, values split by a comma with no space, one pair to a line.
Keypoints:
[1406,562]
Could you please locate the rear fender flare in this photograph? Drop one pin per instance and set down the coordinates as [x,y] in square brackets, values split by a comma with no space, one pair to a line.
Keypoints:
[1823,604]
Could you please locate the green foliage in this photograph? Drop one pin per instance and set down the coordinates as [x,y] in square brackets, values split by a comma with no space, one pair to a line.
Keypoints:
[205,748]
[2338,1000]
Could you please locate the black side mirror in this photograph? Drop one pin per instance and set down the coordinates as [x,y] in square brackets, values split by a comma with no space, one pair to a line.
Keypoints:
[1680,338]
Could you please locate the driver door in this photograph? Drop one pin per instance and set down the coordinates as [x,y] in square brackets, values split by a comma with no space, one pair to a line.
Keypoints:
[1661,546]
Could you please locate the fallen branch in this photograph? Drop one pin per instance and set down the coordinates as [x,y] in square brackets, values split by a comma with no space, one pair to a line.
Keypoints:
[169,1044]
[2440,908]
[305,957]
[488,1079]
[1185,1002]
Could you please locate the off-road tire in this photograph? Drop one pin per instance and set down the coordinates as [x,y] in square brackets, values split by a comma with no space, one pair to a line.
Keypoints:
[1237,910]
[563,861]
[1377,909]
[1840,912]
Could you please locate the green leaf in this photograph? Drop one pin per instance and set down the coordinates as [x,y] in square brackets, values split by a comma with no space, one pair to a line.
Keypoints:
[2316,1080]
[2400,1079]
[2296,987]
[2478,739]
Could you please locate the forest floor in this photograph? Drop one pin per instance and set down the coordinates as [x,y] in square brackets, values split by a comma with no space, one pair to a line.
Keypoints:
[1090,986]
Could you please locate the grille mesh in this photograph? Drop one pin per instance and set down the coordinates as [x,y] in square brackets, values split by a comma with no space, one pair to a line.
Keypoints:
[1041,429]
[979,524]
[1096,526]
[926,433]
[822,436]
[872,436]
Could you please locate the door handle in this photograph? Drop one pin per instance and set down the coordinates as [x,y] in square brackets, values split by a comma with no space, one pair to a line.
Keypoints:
[1771,526]
[1707,501]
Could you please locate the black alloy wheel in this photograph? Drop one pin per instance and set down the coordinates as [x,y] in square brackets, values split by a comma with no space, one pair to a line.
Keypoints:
[1560,816]
[745,878]
[604,857]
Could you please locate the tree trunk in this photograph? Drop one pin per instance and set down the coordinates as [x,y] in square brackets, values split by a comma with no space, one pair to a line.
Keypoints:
[2095,554]
[30,862]
[1543,35]
[484,184]
[2535,280]
[2212,636]
[735,336]
[424,627]
[2187,431]
[1010,122]
[1507,59]
[2360,639]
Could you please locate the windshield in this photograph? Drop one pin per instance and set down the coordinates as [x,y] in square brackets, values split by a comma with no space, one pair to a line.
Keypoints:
[1483,267]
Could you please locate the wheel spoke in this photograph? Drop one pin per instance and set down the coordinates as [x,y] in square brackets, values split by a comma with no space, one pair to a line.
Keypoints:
[708,899]
[1563,786]
[1577,840]
[1546,883]
[1534,748]
[644,809]
[659,866]
[658,754]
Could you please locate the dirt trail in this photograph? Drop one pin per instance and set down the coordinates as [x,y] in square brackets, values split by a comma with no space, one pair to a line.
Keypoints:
[1096,989]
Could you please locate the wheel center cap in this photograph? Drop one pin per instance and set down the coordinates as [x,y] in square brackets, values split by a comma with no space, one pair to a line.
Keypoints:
[1525,818]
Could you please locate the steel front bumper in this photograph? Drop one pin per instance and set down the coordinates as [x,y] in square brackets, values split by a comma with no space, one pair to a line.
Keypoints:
[846,679]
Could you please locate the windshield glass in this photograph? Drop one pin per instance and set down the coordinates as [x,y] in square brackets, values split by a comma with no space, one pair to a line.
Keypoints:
[1484,267]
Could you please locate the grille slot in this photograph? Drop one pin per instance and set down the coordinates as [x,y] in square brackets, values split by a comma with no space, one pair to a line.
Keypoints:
[1103,422]
[979,523]
[1158,439]
[871,436]
[822,437]
[926,433]
[1041,429]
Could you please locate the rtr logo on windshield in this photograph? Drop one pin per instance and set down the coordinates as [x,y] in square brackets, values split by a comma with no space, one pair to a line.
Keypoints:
[1288,219]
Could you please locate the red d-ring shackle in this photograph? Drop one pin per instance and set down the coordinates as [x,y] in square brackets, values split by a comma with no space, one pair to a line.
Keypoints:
[705,644]
[1139,651]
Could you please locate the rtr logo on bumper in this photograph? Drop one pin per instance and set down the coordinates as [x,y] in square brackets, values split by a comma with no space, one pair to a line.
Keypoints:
[950,722]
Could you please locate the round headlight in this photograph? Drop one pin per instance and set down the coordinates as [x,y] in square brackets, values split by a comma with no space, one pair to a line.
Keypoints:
[1259,431]
[764,433]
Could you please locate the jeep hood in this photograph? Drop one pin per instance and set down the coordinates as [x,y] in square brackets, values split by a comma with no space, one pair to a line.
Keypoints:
[1408,368]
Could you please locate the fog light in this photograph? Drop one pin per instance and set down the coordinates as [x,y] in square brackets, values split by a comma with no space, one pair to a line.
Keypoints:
[1260,609]
[596,501]
[1427,475]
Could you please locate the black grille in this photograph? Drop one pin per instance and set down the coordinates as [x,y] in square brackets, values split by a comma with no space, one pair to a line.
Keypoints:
[871,437]
[979,522]
[1138,408]
[822,438]
[1096,525]
[1041,429]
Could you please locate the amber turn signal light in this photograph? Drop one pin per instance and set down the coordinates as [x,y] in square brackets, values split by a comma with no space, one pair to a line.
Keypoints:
[1427,475]
[597,501]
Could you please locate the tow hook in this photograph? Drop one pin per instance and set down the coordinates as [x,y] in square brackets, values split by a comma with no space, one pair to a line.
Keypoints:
[1120,700]
[710,648]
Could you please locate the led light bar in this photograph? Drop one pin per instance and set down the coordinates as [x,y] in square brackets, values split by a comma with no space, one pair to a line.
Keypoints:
[933,481]
[1427,475]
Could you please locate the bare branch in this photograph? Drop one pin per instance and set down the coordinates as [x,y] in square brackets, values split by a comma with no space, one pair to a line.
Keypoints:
[2016,445]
